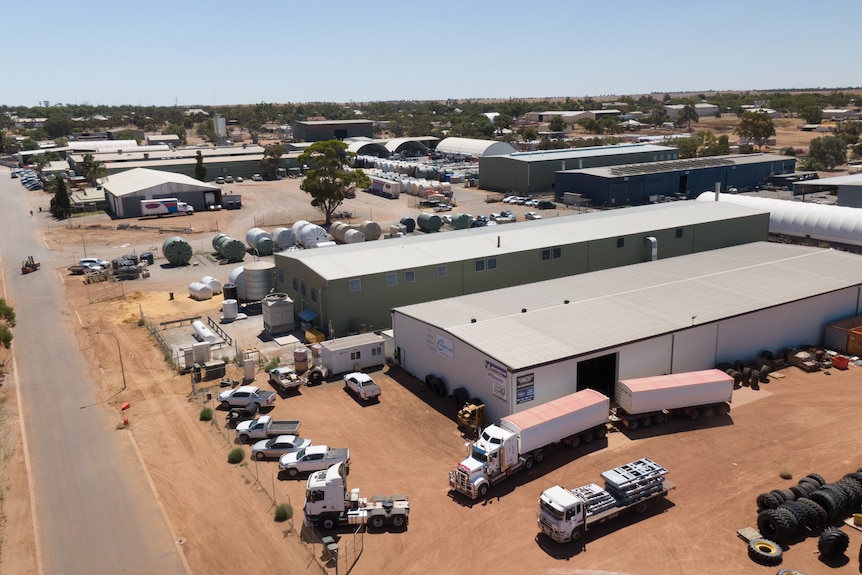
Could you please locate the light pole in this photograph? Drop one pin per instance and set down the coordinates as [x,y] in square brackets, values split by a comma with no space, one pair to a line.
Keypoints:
[119,351]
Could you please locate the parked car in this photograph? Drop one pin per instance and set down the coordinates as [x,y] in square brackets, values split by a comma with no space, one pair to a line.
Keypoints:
[219,180]
[94,263]
[442,208]
[508,199]
[256,178]
[278,446]
[546,205]
[531,203]
[361,385]
[238,179]
[228,179]
[533,216]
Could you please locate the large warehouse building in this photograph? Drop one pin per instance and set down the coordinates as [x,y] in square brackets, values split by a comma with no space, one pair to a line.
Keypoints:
[353,287]
[637,184]
[124,191]
[523,346]
[533,173]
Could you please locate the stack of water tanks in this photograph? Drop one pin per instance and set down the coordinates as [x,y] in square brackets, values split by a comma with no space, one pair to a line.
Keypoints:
[231,249]
[345,233]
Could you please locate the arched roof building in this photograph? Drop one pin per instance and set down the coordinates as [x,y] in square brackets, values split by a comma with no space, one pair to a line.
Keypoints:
[473,148]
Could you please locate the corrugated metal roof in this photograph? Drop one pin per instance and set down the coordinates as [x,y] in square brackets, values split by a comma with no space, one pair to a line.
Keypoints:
[677,165]
[613,307]
[591,152]
[474,147]
[139,179]
[355,260]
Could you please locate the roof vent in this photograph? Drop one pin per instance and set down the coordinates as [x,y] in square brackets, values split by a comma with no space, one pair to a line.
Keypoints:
[523,310]
[565,301]
[473,320]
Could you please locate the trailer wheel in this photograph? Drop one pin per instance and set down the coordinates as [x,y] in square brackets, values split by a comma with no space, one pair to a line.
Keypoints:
[328,522]
[292,471]
[660,419]
[708,411]
[574,441]
[483,490]
[540,457]
[641,508]
[633,424]
[378,521]
[601,432]
[528,462]
[723,409]
[441,387]
[764,551]
[587,436]
[646,422]
[694,414]
[398,520]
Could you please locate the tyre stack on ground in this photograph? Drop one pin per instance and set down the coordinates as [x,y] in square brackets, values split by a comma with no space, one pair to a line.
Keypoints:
[808,508]
[754,372]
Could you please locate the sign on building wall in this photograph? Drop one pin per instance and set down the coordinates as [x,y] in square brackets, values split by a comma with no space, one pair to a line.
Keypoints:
[497,375]
[525,391]
[442,345]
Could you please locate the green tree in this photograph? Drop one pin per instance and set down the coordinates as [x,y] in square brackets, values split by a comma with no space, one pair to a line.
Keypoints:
[829,152]
[93,169]
[590,125]
[176,130]
[200,168]
[58,124]
[755,126]
[687,147]
[7,322]
[557,124]
[502,121]
[129,135]
[529,134]
[271,157]
[687,115]
[329,180]
[61,205]
[812,114]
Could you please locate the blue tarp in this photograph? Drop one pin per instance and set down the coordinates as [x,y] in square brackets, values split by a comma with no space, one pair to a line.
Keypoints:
[307,315]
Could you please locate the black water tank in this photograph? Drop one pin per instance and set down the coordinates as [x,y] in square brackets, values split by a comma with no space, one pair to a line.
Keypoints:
[230,291]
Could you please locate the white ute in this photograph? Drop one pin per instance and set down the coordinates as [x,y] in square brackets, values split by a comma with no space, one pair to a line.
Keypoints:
[361,385]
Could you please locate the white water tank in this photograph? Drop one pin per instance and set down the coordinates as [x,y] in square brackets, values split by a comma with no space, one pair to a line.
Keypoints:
[203,332]
[371,230]
[229,309]
[311,234]
[200,291]
[213,283]
[353,237]
[284,238]
[237,278]
[298,225]
[327,244]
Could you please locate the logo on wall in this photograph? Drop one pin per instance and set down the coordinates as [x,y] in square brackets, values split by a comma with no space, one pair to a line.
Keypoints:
[498,377]
[445,347]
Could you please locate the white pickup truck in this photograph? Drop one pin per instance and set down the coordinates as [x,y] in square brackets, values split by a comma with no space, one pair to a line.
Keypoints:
[264,427]
[246,395]
[361,385]
[313,458]
[285,378]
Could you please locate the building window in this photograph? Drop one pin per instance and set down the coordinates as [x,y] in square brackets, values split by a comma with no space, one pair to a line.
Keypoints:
[295,284]
[492,263]
[480,265]
[410,276]
[621,242]
[375,351]
[679,232]
[391,279]
[354,284]
[302,288]
[313,294]
[558,252]
[441,271]
[546,254]
[281,276]
[354,355]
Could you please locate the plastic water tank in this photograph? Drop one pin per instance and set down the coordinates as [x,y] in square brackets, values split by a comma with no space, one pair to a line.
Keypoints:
[298,225]
[259,240]
[284,238]
[371,230]
[214,284]
[177,251]
[229,309]
[310,234]
[409,224]
[204,333]
[237,279]
[429,222]
[200,291]
[233,250]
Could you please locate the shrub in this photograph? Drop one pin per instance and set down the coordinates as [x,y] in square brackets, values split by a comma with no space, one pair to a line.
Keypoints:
[206,414]
[788,151]
[236,455]
[283,512]
[273,363]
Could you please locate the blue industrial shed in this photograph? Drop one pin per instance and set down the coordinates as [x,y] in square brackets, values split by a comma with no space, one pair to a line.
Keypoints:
[637,184]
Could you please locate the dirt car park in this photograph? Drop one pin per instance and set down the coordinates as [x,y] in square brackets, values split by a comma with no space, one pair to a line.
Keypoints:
[222,514]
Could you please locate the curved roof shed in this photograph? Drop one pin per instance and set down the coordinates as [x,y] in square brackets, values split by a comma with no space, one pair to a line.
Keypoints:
[474,148]
[801,219]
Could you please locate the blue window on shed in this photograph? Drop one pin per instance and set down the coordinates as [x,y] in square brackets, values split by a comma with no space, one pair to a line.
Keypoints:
[295,284]
[313,294]
[302,288]
[410,276]
[354,284]
[441,271]
[391,279]
[492,263]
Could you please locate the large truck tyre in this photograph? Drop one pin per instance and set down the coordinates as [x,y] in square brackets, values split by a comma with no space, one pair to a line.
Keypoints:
[328,522]
[765,551]
[832,543]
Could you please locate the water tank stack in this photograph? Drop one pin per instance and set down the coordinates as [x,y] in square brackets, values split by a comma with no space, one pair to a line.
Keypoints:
[460,221]
[214,284]
[371,230]
[200,291]
[284,238]
[259,278]
[231,249]
[177,251]
[409,225]
[260,241]
[310,234]
[429,223]
[345,233]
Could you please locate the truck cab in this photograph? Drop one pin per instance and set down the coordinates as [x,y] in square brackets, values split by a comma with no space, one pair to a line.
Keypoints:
[325,492]
[488,459]
[561,514]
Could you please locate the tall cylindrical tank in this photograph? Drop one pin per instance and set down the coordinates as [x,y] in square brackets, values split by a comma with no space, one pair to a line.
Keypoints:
[177,251]
[214,284]
[231,249]
[229,309]
[300,359]
[200,291]
[229,291]
[259,240]
[310,234]
[460,221]
[258,280]
[237,279]
[429,222]
[371,230]
[284,238]
[409,224]
[203,332]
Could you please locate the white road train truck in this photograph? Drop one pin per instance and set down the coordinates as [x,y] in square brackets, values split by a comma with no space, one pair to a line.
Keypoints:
[567,514]
[521,440]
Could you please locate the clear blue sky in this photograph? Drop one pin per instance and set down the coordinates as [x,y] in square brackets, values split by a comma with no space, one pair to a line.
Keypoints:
[158,52]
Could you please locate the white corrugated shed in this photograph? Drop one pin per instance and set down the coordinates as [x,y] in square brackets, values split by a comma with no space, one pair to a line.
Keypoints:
[474,148]
[150,183]
[802,219]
